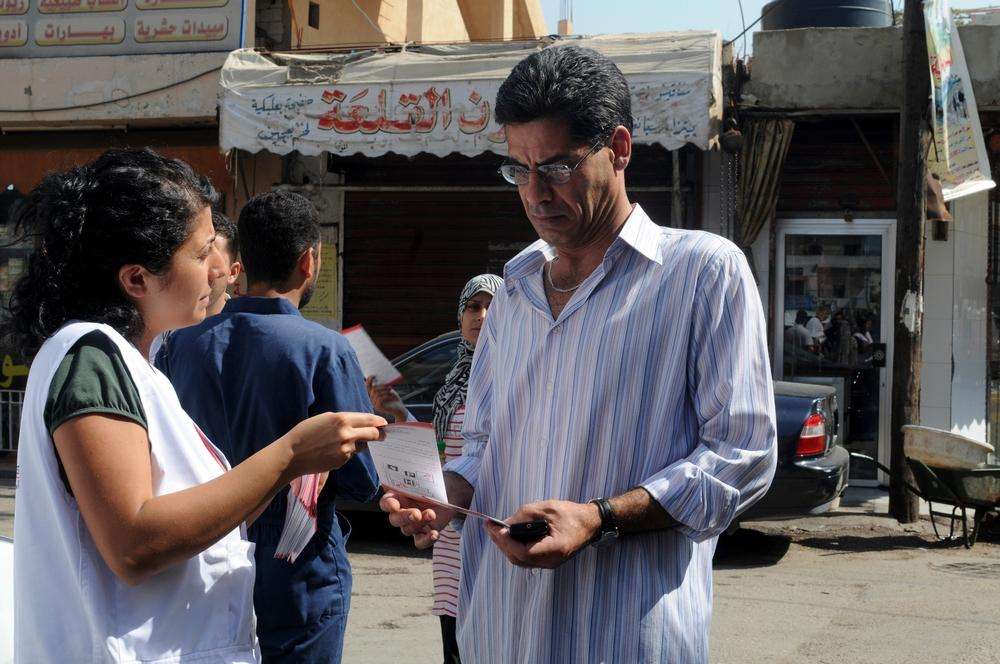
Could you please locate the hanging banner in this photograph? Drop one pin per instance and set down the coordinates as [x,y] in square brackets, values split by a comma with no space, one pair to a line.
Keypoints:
[958,155]
[938,21]
[439,100]
[438,118]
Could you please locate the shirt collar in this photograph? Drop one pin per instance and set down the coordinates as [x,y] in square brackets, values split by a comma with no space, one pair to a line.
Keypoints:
[639,233]
[260,305]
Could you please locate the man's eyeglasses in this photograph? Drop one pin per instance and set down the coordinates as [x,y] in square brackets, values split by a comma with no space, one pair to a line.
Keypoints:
[551,173]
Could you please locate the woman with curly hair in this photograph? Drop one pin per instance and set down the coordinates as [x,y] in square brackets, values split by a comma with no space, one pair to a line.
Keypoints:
[129,536]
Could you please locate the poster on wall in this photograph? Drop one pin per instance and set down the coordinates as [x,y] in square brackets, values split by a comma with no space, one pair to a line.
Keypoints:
[938,22]
[958,150]
[322,306]
[61,28]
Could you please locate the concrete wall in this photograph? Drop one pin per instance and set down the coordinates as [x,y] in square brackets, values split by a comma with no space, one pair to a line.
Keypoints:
[271,17]
[384,21]
[435,21]
[341,23]
[939,275]
[969,304]
[854,68]
[953,378]
[161,90]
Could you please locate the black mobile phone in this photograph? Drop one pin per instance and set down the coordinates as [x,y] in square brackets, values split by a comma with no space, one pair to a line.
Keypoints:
[529,531]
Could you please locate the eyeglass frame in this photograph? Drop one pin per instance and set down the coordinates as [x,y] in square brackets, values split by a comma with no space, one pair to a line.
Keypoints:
[551,169]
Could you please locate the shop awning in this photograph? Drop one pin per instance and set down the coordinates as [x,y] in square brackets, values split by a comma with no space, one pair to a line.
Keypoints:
[439,99]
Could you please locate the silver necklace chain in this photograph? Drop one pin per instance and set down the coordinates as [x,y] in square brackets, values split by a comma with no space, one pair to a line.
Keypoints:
[548,275]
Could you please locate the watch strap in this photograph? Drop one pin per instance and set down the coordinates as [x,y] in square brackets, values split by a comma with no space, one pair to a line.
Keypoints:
[609,523]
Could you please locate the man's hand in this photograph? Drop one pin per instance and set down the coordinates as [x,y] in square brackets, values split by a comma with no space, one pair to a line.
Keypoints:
[415,519]
[571,527]
[385,399]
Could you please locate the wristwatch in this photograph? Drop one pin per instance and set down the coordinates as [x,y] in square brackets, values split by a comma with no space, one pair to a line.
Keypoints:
[608,531]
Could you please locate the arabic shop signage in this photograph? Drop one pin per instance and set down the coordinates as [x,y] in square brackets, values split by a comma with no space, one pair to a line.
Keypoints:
[58,28]
[437,118]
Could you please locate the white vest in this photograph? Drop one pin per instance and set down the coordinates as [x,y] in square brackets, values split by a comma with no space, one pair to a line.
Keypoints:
[69,605]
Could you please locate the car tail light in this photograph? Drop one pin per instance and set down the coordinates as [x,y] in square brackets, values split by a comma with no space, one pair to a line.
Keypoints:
[812,440]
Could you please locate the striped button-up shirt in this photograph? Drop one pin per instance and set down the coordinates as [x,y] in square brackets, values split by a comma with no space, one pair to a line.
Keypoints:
[655,374]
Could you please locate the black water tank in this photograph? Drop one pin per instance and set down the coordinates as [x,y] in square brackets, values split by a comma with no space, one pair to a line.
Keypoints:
[785,14]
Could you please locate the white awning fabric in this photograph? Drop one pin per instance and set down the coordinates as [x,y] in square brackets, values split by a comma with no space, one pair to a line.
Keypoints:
[439,99]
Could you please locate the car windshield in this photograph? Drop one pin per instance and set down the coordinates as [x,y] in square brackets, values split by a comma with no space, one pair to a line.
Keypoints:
[424,373]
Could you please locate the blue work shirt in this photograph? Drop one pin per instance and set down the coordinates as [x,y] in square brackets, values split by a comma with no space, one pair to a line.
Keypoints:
[247,376]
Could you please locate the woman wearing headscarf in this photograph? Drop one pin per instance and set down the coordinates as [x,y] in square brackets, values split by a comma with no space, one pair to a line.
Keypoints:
[449,413]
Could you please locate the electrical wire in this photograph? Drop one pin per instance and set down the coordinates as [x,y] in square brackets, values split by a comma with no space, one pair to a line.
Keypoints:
[750,27]
[375,27]
[744,22]
[110,101]
[296,28]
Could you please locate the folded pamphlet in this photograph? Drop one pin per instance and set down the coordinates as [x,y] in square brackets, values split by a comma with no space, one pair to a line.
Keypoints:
[408,463]
[373,362]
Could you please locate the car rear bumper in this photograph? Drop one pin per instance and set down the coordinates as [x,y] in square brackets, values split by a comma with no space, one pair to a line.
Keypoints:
[803,487]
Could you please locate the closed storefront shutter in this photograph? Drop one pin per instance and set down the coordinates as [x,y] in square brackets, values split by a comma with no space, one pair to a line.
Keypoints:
[408,250]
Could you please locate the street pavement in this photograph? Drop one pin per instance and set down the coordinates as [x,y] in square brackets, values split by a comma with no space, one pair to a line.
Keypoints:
[851,587]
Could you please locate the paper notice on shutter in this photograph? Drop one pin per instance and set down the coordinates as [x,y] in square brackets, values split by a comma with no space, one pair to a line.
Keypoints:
[373,362]
[300,517]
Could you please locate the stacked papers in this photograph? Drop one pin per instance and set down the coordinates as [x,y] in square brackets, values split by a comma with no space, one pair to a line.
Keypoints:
[300,517]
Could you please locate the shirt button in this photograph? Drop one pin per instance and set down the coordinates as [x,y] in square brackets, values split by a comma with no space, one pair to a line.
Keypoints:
[556,330]
[552,384]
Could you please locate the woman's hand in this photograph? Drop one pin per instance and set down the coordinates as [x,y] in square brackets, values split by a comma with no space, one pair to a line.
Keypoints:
[327,441]
[385,399]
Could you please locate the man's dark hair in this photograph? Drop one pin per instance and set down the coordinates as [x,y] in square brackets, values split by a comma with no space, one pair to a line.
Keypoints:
[577,85]
[274,229]
[128,206]
[226,227]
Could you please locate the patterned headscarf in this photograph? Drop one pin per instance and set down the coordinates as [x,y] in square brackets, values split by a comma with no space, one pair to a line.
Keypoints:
[456,383]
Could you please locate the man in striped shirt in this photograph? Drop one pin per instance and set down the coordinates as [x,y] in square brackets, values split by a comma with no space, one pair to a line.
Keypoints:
[620,391]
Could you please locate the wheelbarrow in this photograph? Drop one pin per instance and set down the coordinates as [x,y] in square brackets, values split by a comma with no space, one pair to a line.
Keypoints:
[962,489]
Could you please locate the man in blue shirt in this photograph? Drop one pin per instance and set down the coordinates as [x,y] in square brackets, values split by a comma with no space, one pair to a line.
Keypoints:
[247,376]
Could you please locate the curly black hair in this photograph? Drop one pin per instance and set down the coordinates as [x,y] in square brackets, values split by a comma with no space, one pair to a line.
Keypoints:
[127,207]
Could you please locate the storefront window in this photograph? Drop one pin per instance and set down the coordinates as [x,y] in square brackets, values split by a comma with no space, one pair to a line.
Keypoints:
[14,253]
[832,325]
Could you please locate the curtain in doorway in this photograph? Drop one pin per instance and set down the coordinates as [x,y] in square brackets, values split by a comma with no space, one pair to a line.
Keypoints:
[765,146]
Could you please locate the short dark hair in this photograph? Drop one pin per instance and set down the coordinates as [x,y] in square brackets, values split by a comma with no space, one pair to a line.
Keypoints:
[578,85]
[274,229]
[128,206]
[226,227]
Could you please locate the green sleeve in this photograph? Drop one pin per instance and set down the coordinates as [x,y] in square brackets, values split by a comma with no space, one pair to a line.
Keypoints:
[92,379]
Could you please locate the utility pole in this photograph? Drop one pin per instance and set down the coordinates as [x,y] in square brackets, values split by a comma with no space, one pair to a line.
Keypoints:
[914,139]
